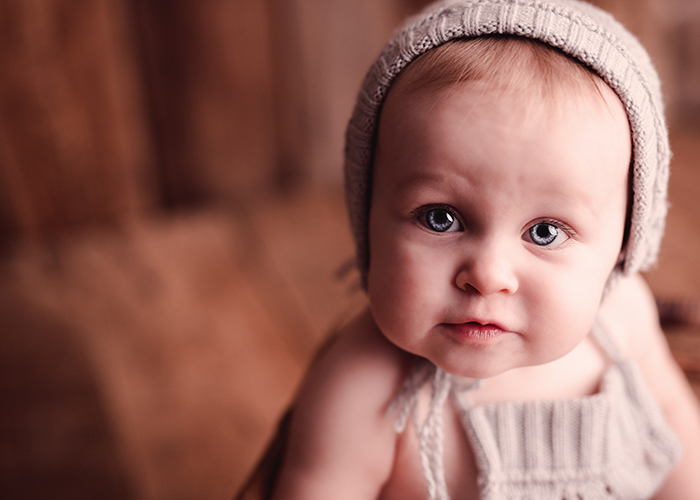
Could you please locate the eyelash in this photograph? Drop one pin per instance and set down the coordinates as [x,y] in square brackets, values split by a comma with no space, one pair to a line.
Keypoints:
[554,222]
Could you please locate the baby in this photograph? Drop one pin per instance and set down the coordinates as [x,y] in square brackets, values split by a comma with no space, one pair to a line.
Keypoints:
[506,173]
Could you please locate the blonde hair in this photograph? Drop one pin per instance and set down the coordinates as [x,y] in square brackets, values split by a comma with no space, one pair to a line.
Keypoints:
[504,62]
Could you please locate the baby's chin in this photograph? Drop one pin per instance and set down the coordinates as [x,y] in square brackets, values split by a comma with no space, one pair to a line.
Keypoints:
[476,370]
[470,374]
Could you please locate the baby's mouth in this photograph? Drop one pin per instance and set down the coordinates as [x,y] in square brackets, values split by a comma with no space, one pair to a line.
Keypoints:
[474,331]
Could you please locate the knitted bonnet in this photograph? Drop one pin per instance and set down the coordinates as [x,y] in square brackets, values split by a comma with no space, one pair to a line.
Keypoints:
[580,30]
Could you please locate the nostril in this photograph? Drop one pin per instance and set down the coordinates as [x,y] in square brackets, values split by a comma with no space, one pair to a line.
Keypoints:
[486,279]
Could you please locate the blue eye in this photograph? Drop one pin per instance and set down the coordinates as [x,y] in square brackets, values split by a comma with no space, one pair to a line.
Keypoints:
[545,234]
[440,220]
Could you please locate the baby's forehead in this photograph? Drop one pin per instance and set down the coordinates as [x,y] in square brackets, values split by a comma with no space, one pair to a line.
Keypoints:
[466,117]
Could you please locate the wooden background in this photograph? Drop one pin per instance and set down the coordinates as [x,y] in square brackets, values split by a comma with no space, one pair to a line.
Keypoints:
[173,242]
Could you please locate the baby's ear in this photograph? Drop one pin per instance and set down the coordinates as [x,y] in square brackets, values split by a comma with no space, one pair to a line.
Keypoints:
[621,257]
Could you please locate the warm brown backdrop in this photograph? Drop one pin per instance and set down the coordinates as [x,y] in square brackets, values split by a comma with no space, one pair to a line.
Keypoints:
[173,244]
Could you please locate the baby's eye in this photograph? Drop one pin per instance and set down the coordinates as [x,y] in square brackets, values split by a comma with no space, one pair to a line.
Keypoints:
[546,234]
[440,220]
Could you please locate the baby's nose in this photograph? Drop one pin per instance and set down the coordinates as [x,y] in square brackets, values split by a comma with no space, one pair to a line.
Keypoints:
[487,269]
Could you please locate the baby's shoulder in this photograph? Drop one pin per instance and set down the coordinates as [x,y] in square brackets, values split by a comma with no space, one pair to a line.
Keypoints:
[629,314]
[632,319]
[359,363]
[339,431]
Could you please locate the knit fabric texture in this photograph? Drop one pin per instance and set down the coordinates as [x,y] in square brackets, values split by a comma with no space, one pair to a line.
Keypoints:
[612,445]
[578,29]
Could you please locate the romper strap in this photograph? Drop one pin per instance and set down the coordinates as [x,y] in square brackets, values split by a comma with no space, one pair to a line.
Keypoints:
[429,432]
[603,338]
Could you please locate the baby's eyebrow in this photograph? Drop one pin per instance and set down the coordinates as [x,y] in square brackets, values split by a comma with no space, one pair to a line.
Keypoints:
[418,179]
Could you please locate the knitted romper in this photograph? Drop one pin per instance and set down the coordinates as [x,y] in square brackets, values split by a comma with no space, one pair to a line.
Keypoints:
[612,445]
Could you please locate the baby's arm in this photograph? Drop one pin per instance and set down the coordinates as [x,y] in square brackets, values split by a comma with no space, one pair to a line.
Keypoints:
[646,344]
[341,442]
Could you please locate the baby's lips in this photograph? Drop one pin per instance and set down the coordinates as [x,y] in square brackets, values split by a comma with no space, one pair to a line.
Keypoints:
[484,323]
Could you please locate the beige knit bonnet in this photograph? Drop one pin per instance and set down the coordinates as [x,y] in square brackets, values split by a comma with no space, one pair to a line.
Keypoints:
[576,28]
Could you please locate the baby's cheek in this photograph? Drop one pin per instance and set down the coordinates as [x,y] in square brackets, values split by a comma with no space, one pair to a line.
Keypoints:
[399,294]
[562,310]
[580,309]
[386,289]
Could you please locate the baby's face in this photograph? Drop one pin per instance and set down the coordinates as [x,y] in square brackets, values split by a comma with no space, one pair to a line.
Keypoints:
[495,222]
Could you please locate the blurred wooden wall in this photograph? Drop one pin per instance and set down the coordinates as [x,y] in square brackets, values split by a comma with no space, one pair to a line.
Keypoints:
[207,75]
[74,141]
[670,31]
[113,108]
